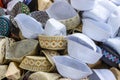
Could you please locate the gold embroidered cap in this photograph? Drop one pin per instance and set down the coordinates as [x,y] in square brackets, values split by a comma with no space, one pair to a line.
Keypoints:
[51,53]
[71,23]
[65,13]
[36,63]
[44,76]
[52,42]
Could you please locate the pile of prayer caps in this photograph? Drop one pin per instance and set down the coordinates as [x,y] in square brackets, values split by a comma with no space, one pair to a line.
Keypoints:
[59,39]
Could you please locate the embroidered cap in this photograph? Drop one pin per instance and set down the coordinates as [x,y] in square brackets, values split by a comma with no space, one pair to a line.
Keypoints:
[37,63]
[12,3]
[110,56]
[65,14]
[52,42]
[40,16]
[18,8]
[4,26]
[2,12]
[44,76]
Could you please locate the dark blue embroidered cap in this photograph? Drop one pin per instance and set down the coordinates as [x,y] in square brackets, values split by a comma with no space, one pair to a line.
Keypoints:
[4,26]
[110,56]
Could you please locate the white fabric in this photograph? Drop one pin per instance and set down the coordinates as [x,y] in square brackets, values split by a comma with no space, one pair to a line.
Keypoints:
[114,21]
[101,11]
[12,3]
[108,5]
[98,13]
[71,68]
[29,27]
[91,54]
[54,28]
[83,53]
[104,74]
[61,10]
[82,5]
[114,43]
[83,39]
[98,31]
[119,7]
[117,2]
[63,0]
